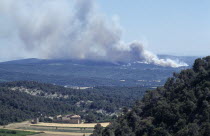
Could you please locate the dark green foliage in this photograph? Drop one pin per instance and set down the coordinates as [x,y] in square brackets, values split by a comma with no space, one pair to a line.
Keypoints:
[180,108]
[16,106]
[98,129]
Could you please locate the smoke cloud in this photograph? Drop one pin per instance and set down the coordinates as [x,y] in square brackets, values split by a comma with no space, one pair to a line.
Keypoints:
[71,29]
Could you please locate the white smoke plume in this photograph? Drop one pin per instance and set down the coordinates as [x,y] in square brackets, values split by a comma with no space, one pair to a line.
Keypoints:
[71,29]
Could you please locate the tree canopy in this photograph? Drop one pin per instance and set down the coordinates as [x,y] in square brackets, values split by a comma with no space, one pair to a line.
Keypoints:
[180,108]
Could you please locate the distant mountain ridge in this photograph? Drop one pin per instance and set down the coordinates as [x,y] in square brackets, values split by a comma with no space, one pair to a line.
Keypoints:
[187,59]
[64,61]
[86,72]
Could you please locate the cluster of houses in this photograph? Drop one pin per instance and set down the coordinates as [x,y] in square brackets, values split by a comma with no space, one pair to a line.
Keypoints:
[71,119]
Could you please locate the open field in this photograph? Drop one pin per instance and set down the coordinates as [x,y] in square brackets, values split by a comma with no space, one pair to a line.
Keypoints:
[45,134]
[86,125]
[55,129]
[7,132]
[16,125]
[49,134]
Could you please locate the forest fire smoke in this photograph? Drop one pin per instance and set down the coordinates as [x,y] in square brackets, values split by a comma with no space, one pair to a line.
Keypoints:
[72,30]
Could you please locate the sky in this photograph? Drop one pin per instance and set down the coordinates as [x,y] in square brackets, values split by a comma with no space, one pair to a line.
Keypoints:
[176,27]
[172,27]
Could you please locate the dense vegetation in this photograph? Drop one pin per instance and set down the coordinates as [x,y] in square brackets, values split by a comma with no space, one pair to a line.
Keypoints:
[18,106]
[180,108]
[25,100]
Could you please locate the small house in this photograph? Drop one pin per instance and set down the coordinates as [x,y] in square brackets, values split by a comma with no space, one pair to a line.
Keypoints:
[72,119]
[35,121]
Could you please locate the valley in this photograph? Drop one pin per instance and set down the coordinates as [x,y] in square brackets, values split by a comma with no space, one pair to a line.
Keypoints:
[136,110]
[104,68]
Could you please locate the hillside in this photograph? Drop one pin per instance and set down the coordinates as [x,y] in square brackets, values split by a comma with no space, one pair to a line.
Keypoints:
[26,99]
[180,108]
[87,72]
[16,106]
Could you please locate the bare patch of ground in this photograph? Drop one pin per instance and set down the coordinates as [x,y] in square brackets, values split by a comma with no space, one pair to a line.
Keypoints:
[60,134]
[17,125]
[86,125]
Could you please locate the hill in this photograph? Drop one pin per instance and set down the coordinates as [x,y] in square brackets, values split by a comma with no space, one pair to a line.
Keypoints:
[87,73]
[24,100]
[180,108]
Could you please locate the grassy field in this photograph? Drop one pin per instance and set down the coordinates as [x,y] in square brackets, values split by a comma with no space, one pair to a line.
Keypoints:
[59,129]
[52,129]
[7,132]
[86,125]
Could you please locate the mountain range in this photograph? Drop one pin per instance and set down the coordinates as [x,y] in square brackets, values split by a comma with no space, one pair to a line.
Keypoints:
[88,73]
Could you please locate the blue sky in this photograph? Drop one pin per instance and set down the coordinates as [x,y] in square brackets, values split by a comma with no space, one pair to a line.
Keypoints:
[173,27]
[177,27]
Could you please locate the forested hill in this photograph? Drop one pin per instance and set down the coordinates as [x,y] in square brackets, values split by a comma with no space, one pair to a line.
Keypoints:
[88,73]
[180,108]
[17,106]
[24,100]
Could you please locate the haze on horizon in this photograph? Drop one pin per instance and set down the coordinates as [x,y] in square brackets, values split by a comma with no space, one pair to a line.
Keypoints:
[104,30]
